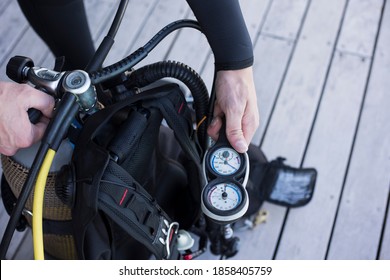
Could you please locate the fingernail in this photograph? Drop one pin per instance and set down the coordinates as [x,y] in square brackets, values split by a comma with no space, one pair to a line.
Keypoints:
[241,146]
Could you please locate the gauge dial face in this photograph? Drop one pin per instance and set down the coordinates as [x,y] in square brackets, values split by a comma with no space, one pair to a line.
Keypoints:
[225,161]
[224,196]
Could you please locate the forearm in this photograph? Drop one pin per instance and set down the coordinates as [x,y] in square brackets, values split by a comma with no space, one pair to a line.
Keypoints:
[225,29]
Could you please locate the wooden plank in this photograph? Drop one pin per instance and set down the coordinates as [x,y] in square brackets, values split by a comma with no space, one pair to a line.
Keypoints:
[25,249]
[12,26]
[298,99]
[14,247]
[191,46]
[272,57]
[137,14]
[284,19]
[164,13]
[358,34]
[3,6]
[329,146]
[254,243]
[255,14]
[296,106]
[384,253]
[268,72]
[23,47]
[361,215]
[328,152]
[98,15]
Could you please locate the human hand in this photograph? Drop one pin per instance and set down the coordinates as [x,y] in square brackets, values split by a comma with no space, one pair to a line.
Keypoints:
[16,130]
[236,100]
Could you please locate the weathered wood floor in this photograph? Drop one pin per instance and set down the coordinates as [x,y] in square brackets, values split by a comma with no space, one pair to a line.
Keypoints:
[322,76]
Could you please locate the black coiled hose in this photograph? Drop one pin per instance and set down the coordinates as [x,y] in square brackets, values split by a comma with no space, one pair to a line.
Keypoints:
[171,69]
[154,72]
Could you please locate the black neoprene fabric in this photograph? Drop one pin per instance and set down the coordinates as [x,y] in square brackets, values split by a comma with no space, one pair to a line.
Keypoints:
[63,25]
[224,26]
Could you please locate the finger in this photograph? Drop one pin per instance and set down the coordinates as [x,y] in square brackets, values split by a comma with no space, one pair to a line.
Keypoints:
[8,151]
[37,131]
[214,127]
[35,134]
[216,122]
[44,120]
[41,101]
[250,123]
[235,134]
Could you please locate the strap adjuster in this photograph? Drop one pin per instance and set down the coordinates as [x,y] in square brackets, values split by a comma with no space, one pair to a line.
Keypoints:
[172,231]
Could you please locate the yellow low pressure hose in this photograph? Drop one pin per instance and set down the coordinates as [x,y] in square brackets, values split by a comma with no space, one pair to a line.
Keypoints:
[39,192]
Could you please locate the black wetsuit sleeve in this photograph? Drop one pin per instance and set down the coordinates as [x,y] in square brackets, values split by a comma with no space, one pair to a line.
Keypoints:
[224,26]
[63,25]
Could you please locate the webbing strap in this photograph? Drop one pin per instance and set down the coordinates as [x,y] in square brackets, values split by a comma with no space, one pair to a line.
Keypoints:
[176,113]
[120,196]
[130,206]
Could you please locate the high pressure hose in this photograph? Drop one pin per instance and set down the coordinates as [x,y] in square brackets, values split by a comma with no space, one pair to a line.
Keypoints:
[128,62]
[171,69]
[105,46]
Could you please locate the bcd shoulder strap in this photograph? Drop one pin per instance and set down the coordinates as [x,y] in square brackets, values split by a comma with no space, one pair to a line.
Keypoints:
[104,185]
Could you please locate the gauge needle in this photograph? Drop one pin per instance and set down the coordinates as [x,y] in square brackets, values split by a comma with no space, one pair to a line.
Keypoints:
[227,163]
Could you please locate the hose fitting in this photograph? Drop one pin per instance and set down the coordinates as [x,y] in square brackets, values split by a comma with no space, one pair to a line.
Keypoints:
[79,84]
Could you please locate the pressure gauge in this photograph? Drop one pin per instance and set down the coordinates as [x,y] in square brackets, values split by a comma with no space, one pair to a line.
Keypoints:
[225,161]
[224,200]
[222,161]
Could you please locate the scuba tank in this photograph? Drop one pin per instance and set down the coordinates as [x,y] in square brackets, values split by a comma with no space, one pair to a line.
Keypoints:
[15,171]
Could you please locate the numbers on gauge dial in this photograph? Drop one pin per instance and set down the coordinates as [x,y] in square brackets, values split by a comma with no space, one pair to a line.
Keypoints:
[224,196]
[225,161]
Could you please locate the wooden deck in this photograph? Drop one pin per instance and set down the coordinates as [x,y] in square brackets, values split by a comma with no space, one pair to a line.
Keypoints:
[322,76]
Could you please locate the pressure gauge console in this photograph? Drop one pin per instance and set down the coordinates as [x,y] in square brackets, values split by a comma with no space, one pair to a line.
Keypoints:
[224,199]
